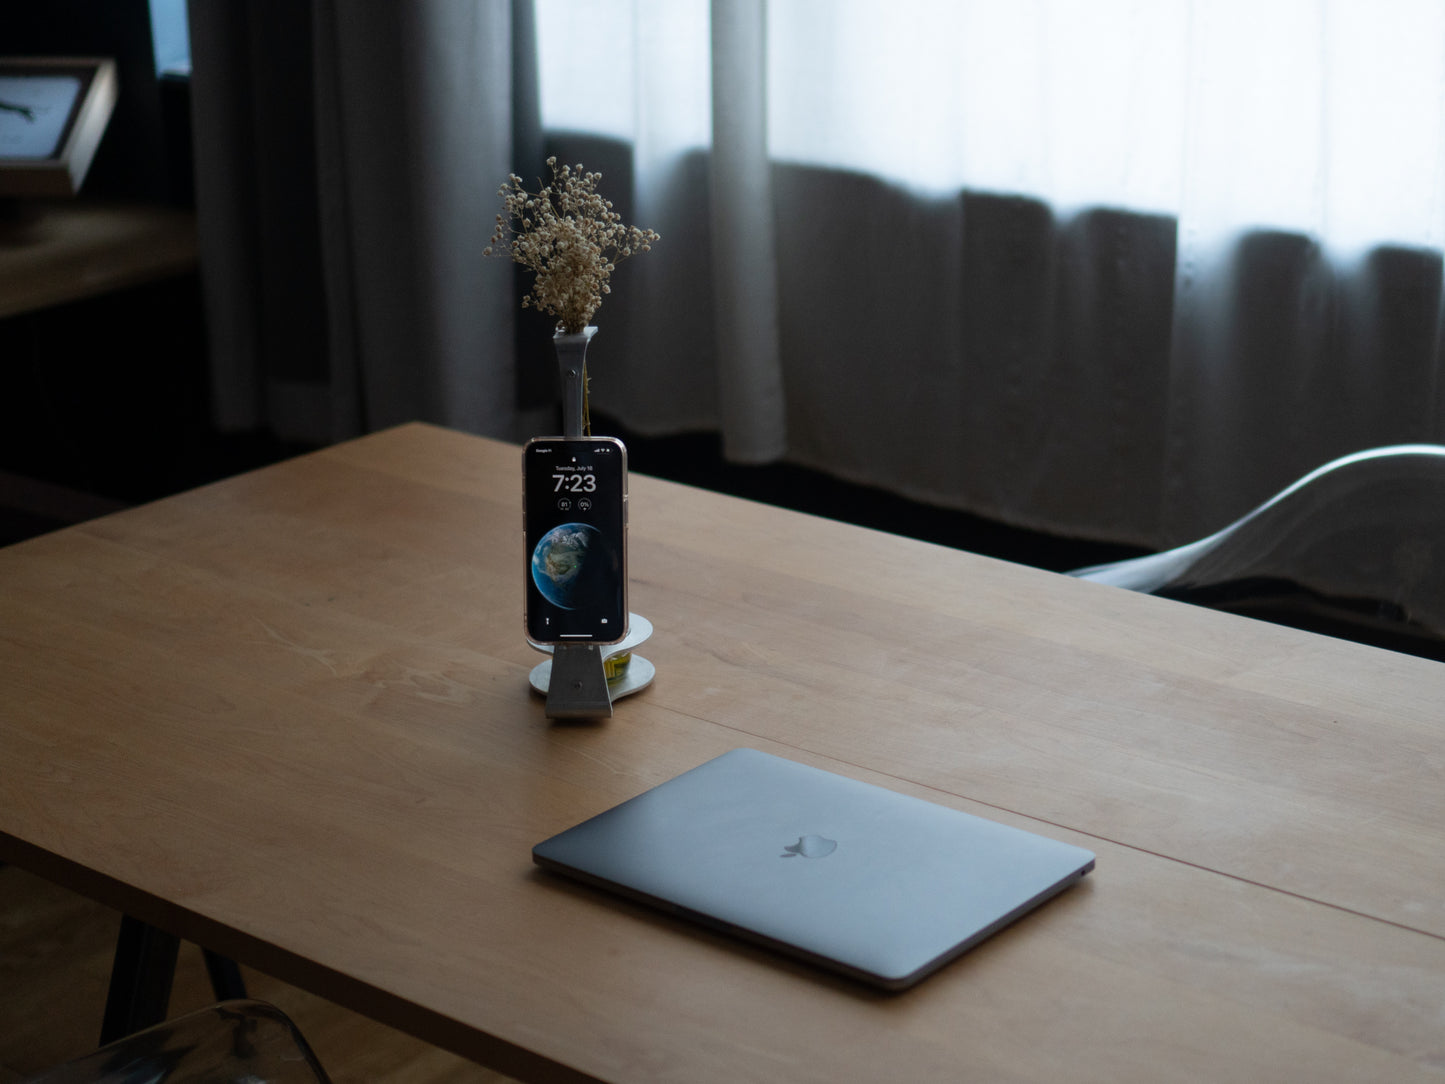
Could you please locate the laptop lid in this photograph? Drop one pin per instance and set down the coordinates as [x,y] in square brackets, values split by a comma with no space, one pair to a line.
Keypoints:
[878,885]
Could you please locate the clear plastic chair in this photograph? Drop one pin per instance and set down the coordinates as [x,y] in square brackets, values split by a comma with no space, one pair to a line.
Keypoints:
[233,1042]
[1355,549]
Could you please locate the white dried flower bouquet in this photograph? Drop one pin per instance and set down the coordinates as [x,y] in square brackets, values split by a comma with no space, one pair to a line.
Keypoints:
[570,237]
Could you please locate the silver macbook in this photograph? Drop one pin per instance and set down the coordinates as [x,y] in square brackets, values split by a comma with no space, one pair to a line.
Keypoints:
[878,885]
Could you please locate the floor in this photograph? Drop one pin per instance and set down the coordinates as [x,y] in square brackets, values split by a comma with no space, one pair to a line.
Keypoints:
[55,955]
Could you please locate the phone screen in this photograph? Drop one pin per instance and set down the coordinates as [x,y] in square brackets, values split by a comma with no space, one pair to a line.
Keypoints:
[575,518]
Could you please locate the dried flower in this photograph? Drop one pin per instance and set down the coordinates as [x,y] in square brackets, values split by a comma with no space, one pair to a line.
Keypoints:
[570,237]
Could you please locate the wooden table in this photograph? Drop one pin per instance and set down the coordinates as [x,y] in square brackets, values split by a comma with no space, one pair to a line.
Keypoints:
[287,716]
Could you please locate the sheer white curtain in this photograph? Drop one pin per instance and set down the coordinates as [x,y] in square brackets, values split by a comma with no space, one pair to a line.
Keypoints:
[1119,269]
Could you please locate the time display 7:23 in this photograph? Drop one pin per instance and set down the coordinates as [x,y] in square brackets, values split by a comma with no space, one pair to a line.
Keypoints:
[574,483]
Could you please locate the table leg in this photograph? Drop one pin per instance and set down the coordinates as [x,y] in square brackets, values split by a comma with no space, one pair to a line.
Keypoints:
[140,980]
[142,974]
[225,975]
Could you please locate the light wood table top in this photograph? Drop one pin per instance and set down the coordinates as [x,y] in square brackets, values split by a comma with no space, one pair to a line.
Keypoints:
[288,716]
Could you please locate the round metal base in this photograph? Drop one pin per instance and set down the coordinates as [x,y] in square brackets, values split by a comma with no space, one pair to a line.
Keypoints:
[636,675]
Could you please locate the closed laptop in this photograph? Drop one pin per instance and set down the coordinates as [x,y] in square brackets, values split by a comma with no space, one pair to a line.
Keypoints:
[878,885]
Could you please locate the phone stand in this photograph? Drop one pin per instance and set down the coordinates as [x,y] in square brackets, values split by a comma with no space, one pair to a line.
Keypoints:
[581,681]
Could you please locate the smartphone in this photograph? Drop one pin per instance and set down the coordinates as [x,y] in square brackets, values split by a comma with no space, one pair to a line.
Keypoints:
[575,525]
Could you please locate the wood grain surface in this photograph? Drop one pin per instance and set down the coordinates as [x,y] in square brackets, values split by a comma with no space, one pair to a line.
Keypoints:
[288,716]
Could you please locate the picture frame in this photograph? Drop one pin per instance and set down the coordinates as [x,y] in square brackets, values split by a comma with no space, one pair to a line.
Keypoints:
[53,112]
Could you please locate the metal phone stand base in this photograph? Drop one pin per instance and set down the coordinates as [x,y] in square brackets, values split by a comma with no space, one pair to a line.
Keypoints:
[575,679]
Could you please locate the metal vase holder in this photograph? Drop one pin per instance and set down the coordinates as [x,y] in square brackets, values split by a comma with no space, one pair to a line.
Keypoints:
[581,681]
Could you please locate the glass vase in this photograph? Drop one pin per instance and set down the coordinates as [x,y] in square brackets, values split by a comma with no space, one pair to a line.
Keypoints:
[572,365]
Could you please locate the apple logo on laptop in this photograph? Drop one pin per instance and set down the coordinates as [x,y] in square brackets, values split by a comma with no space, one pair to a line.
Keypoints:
[810,847]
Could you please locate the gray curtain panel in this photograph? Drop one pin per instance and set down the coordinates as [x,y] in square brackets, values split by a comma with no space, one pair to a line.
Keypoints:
[347,161]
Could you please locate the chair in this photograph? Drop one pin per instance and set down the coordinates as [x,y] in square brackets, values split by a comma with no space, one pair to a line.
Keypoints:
[1355,549]
[233,1042]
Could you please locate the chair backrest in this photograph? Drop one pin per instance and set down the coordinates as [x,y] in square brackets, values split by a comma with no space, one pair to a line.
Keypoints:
[233,1042]
[1355,548]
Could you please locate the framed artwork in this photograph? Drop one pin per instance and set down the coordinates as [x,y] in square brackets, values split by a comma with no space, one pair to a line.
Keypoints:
[53,111]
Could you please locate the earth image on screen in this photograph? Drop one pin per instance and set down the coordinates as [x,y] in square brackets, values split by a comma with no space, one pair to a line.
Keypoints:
[573,566]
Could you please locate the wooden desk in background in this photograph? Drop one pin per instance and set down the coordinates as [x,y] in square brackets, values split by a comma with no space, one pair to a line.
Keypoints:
[95,396]
[75,250]
[287,716]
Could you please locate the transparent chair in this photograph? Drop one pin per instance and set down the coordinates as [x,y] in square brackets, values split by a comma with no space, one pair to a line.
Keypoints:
[1355,549]
[233,1042]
